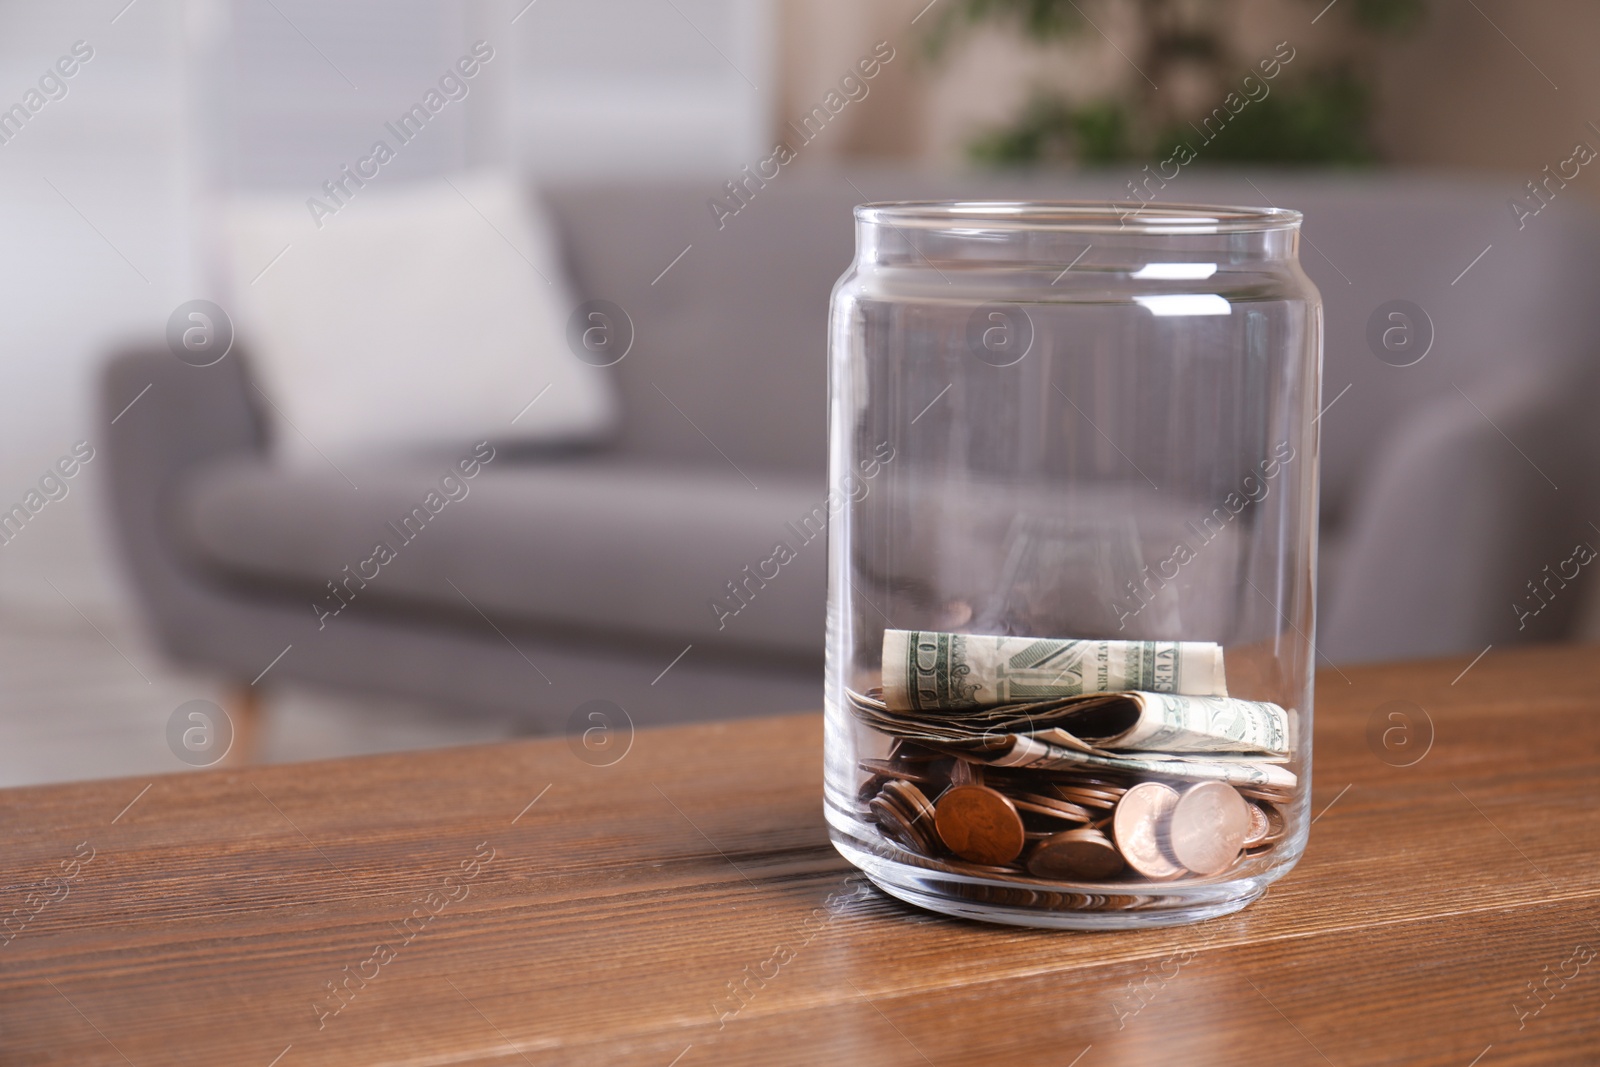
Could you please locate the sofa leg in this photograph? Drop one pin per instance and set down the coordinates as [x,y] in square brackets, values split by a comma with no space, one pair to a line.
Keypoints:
[244,708]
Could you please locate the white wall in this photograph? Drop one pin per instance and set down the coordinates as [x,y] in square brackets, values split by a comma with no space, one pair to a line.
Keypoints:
[635,87]
[96,189]
[91,210]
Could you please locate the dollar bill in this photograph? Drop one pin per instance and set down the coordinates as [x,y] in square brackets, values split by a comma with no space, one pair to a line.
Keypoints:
[924,670]
[1107,724]
[1035,754]
[1056,749]
[1170,722]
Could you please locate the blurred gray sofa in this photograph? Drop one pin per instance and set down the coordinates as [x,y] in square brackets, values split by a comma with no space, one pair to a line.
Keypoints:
[564,578]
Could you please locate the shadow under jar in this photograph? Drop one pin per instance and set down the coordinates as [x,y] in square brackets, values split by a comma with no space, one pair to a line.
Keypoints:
[1073,463]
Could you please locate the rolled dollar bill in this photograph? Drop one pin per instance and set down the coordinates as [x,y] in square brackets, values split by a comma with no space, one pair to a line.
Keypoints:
[1034,754]
[924,670]
[1170,722]
[1108,724]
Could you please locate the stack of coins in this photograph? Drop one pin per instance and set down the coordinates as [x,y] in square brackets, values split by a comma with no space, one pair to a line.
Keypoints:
[1065,825]
[904,813]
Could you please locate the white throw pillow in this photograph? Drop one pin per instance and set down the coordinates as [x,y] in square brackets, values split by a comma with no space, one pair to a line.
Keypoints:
[416,317]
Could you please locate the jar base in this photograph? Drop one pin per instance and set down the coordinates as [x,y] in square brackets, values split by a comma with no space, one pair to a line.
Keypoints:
[1111,906]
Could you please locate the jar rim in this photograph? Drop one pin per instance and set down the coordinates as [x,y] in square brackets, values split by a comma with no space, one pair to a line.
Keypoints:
[1079,216]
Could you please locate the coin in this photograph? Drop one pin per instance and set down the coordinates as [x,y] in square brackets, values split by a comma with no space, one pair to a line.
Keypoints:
[1277,827]
[1267,793]
[1136,825]
[1208,827]
[1091,798]
[904,814]
[893,822]
[1277,823]
[1103,789]
[982,868]
[913,800]
[1260,827]
[1058,809]
[910,752]
[979,824]
[894,769]
[1075,855]
[1117,786]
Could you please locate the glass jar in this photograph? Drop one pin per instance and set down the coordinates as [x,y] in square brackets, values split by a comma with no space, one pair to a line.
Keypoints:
[1072,580]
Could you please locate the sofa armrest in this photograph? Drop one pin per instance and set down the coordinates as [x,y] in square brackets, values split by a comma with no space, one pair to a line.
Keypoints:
[164,418]
[1459,512]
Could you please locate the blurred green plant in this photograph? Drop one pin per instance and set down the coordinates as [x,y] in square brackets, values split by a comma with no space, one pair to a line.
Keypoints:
[1317,114]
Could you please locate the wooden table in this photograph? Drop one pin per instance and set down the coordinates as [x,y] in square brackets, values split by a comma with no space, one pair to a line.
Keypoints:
[683,907]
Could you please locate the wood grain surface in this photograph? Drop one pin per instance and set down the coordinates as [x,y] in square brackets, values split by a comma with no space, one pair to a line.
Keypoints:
[683,907]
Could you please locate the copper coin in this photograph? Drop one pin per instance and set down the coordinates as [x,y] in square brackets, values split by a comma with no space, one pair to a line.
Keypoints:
[892,769]
[871,787]
[1277,825]
[1087,799]
[981,868]
[1090,781]
[1075,855]
[927,837]
[1089,790]
[1208,827]
[905,814]
[1267,793]
[1137,826]
[922,813]
[979,824]
[910,752]
[1260,827]
[894,823]
[965,772]
[1058,809]
[913,800]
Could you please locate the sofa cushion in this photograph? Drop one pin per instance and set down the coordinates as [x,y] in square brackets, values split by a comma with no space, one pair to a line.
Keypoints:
[586,545]
[429,313]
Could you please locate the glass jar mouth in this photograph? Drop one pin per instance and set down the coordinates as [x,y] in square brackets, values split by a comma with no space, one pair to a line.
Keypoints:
[1076,216]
